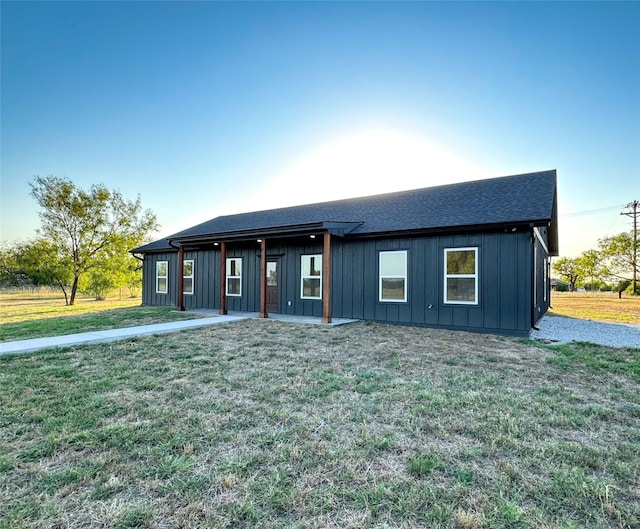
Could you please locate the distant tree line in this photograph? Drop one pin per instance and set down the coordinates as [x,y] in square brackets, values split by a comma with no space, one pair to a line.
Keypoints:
[83,243]
[609,267]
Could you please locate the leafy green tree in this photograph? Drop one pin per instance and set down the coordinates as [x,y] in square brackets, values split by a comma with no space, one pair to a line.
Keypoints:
[88,227]
[117,269]
[620,255]
[569,270]
[590,268]
[44,264]
[8,266]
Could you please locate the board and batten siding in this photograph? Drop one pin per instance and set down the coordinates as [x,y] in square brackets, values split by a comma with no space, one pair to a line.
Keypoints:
[504,272]
[205,281]
[505,290]
[149,294]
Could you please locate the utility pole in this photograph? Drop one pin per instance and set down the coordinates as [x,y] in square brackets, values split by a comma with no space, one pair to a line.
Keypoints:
[633,206]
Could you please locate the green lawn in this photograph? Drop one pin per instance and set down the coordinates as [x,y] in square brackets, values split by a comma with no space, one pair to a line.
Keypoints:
[271,424]
[25,316]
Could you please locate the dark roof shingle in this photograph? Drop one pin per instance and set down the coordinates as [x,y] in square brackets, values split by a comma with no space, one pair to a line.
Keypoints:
[525,198]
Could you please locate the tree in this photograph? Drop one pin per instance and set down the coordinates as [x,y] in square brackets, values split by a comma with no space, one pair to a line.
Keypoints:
[620,254]
[117,269]
[568,269]
[44,264]
[87,227]
[589,266]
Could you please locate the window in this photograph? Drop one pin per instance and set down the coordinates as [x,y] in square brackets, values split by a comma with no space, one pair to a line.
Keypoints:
[234,276]
[461,275]
[311,284]
[393,276]
[187,276]
[162,275]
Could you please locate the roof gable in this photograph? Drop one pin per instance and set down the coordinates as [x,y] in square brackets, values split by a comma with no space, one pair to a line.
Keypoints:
[520,199]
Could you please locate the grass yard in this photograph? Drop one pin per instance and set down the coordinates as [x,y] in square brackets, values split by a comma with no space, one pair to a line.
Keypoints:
[35,315]
[277,425]
[603,306]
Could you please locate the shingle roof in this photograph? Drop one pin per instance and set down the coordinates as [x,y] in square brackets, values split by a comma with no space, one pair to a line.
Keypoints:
[519,199]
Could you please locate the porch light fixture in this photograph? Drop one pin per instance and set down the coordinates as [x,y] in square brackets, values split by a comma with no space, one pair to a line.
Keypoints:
[216,243]
[259,240]
[312,236]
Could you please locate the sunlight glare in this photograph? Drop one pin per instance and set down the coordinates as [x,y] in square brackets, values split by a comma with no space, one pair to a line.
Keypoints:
[369,163]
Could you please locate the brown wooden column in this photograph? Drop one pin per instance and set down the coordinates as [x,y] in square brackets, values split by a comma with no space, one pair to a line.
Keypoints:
[181,278]
[326,279]
[263,280]
[223,278]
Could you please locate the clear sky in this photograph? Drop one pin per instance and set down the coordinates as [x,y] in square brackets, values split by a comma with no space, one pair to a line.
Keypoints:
[210,108]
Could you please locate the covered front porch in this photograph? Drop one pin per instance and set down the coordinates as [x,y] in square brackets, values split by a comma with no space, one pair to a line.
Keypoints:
[272,248]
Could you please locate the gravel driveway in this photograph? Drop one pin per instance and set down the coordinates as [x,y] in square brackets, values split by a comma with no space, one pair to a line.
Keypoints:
[562,329]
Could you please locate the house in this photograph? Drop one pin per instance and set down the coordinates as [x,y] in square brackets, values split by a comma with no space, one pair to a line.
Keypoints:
[470,256]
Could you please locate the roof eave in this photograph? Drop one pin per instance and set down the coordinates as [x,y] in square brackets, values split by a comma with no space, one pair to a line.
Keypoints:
[335,228]
[435,230]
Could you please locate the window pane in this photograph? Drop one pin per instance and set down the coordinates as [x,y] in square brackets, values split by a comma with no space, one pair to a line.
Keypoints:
[162,284]
[234,267]
[311,265]
[272,274]
[188,268]
[392,289]
[392,263]
[461,289]
[187,285]
[461,262]
[311,288]
[162,269]
[233,286]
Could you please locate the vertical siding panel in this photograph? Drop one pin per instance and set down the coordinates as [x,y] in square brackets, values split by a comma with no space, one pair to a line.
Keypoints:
[459,316]
[525,275]
[508,281]
[433,281]
[417,272]
[173,279]
[357,273]
[214,274]
[340,287]
[288,281]
[201,282]
[490,280]
[475,317]
[370,280]
[445,316]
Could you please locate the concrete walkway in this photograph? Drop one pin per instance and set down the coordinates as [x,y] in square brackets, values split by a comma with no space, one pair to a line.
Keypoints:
[111,335]
[35,344]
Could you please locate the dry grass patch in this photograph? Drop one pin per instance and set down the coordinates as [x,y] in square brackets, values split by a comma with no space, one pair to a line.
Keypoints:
[27,306]
[272,424]
[34,315]
[602,306]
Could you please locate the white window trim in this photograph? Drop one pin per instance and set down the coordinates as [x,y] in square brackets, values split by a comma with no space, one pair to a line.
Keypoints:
[303,276]
[455,276]
[193,267]
[381,277]
[166,277]
[227,276]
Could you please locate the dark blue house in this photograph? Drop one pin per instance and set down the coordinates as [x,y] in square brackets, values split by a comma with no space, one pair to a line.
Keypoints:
[469,256]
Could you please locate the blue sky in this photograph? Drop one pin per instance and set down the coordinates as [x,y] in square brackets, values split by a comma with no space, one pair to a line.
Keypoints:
[215,108]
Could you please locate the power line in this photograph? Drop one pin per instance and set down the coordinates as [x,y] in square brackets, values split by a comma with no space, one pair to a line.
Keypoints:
[592,211]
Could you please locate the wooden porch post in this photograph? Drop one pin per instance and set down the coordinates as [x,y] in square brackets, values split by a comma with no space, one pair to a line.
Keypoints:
[223,278]
[181,278]
[263,280]
[326,279]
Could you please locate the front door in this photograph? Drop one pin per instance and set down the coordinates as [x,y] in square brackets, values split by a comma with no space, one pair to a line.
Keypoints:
[273,293]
